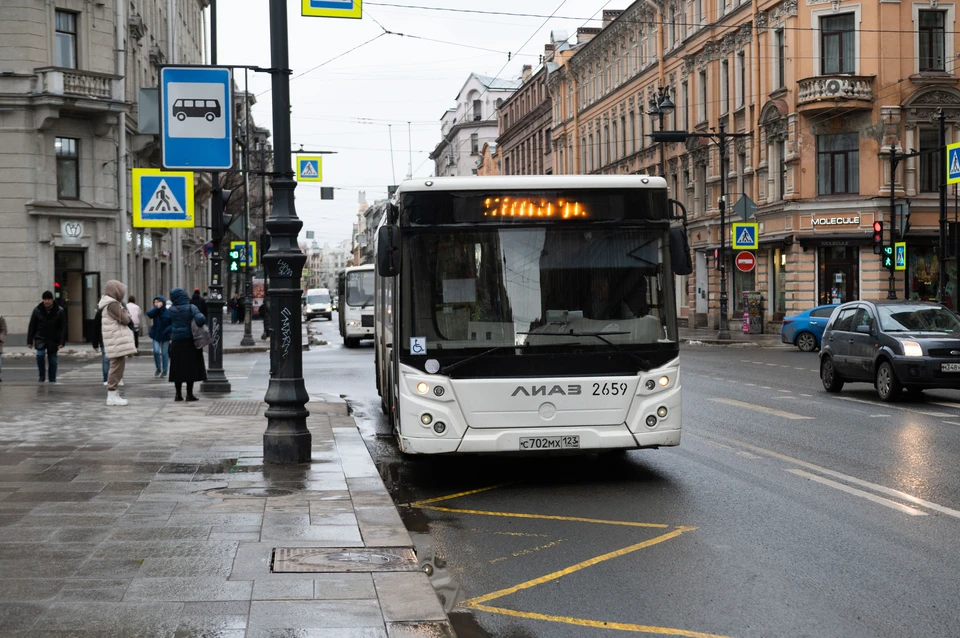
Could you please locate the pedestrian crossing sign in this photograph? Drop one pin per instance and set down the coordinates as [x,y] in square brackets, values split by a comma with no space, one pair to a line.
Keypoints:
[900,255]
[242,253]
[953,163]
[162,199]
[309,168]
[331,8]
[745,236]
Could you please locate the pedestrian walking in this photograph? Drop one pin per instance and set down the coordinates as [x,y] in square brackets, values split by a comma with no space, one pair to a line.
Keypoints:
[97,343]
[265,315]
[160,333]
[186,360]
[199,302]
[135,315]
[115,325]
[232,304]
[3,336]
[47,333]
[241,310]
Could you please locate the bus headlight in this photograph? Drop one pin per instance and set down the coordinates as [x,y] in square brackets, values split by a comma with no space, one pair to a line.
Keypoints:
[439,427]
[423,388]
[426,418]
[664,381]
[662,412]
[651,384]
[353,324]
[651,421]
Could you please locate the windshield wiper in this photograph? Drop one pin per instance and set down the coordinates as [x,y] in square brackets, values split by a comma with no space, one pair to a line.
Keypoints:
[456,364]
[366,303]
[599,335]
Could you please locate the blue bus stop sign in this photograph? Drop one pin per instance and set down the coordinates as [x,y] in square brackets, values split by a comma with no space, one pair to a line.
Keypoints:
[196,118]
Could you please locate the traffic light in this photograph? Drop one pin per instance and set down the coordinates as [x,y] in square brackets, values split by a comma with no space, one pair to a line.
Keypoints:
[234,260]
[221,221]
[887,258]
[877,237]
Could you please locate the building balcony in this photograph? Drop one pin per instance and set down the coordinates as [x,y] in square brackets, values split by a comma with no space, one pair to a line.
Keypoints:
[835,92]
[77,83]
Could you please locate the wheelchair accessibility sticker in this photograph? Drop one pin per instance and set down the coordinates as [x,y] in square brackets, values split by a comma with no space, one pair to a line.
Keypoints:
[418,345]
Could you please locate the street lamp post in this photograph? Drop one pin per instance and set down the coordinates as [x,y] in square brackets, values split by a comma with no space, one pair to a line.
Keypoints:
[286,439]
[660,106]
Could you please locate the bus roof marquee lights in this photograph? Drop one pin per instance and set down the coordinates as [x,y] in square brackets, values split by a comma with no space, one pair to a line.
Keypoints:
[495,207]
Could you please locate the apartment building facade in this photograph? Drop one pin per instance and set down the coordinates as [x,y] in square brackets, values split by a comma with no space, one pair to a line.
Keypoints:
[470,125]
[819,90]
[525,121]
[70,73]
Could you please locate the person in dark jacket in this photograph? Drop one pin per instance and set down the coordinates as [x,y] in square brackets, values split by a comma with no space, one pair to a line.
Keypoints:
[47,333]
[265,315]
[160,333]
[199,302]
[186,361]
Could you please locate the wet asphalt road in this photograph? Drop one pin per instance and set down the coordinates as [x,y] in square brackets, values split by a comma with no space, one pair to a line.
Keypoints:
[784,512]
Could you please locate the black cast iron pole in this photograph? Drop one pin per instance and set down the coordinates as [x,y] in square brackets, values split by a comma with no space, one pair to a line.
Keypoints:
[894,161]
[216,377]
[941,170]
[724,332]
[248,254]
[287,439]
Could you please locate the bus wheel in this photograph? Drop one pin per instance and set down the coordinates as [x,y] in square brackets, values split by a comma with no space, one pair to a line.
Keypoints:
[350,342]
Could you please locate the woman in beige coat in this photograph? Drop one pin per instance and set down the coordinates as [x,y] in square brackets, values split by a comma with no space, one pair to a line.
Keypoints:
[117,336]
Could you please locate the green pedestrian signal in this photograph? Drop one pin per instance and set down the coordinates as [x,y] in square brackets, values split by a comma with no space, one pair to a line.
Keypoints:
[234,267]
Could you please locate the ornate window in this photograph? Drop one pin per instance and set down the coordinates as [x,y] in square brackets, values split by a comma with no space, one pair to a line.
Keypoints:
[838,164]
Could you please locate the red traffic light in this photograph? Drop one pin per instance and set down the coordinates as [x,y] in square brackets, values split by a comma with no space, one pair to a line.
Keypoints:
[878,227]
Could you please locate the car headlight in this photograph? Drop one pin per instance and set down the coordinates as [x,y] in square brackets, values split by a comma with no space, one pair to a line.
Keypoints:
[911,349]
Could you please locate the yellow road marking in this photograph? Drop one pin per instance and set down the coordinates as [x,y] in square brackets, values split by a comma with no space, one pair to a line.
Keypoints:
[760,408]
[575,519]
[575,568]
[457,495]
[529,550]
[599,624]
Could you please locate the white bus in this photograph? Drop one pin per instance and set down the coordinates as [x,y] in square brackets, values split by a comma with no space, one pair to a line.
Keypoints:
[355,304]
[529,314]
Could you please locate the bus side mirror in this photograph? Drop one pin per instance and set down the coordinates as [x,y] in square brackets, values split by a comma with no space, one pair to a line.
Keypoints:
[388,250]
[680,252]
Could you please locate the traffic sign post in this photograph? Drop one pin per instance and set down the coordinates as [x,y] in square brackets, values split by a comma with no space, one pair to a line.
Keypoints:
[309,168]
[331,8]
[900,255]
[745,261]
[162,199]
[953,163]
[745,236]
[196,119]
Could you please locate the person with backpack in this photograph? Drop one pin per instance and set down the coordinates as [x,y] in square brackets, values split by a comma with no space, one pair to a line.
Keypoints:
[160,334]
[186,360]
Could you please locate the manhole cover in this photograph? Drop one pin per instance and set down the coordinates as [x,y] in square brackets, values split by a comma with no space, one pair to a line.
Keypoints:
[235,408]
[344,559]
[251,492]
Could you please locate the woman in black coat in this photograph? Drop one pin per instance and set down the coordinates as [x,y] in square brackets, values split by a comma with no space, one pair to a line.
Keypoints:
[186,360]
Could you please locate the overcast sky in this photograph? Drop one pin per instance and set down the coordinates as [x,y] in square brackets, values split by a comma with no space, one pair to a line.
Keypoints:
[346,104]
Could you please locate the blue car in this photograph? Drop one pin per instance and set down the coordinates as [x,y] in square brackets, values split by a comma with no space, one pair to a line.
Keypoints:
[806,329]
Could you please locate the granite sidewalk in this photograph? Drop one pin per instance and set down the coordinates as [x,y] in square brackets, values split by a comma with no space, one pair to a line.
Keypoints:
[160,519]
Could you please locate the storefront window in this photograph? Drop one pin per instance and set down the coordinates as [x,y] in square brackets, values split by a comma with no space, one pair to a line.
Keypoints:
[839,274]
[742,282]
[778,281]
[923,276]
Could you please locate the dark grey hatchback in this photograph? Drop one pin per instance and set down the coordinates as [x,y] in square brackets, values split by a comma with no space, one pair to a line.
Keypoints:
[895,345]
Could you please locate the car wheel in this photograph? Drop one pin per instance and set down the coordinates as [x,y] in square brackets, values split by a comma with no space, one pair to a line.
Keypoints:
[806,342]
[828,375]
[887,384]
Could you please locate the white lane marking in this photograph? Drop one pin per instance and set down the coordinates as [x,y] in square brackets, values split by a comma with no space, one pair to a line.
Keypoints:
[910,498]
[906,509]
[790,391]
[877,416]
[760,408]
[894,407]
[766,387]
[752,385]
[805,395]
[951,423]
[749,455]
[772,364]
[795,368]
[945,404]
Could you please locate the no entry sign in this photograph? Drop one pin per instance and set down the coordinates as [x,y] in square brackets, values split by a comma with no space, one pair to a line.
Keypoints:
[745,261]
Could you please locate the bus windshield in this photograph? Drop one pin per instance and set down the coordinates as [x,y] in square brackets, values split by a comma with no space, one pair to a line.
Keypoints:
[541,288]
[360,288]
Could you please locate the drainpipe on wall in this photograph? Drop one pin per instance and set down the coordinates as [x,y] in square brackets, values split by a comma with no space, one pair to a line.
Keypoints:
[121,70]
[172,59]
[755,115]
